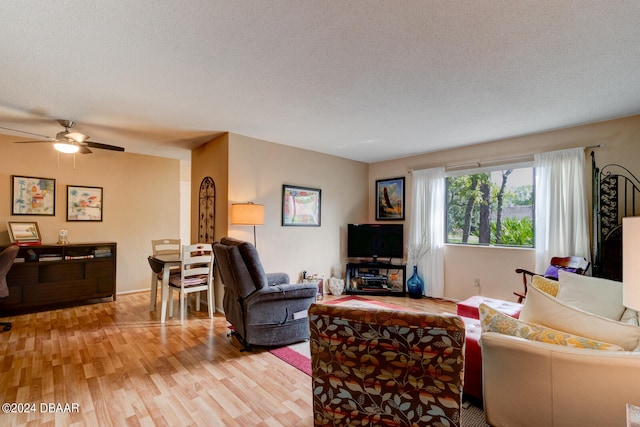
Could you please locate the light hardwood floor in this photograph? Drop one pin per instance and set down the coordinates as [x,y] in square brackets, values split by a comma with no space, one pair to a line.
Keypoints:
[123,368]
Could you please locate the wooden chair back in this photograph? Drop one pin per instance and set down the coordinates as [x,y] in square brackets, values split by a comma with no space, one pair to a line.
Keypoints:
[166,246]
[573,264]
[161,247]
[196,275]
[579,264]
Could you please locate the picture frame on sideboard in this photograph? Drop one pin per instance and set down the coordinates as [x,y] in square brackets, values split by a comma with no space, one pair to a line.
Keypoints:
[24,232]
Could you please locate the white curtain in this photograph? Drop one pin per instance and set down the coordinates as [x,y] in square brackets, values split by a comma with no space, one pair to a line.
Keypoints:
[426,229]
[562,219]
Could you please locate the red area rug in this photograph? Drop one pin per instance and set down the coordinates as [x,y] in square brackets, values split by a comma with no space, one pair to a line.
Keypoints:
[298,355]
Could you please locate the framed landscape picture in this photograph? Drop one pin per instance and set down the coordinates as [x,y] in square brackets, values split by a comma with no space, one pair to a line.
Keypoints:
[84,203]
[24,232]
[300,206]
[390,199]
[31,195]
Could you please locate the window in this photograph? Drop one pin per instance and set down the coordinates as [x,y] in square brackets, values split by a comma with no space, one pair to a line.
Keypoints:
[491,207]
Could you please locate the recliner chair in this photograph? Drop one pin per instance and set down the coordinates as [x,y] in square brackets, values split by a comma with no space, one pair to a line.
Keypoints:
[263,309]
[7,256]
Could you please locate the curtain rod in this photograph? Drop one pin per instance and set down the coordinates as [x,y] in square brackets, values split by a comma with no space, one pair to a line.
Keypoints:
[524,157]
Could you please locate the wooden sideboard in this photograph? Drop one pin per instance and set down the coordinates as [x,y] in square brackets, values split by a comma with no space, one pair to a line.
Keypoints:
[47,275]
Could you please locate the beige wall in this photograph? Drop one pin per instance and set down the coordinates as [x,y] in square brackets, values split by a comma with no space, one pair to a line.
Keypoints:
[140,196]
[256,172]
[211,159]
[494,266]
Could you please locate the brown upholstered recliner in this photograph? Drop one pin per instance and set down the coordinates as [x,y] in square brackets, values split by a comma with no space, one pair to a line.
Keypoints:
[263,309]
[385,367]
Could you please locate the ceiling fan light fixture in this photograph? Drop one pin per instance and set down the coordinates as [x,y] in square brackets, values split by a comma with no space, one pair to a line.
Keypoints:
[66,147]
[69,142]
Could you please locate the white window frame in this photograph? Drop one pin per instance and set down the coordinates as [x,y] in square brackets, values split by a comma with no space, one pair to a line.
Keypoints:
[489,169]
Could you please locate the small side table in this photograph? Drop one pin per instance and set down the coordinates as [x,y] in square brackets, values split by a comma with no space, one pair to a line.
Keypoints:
[318,282]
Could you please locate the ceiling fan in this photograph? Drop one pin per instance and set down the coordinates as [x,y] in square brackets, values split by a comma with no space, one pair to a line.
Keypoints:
[70,142]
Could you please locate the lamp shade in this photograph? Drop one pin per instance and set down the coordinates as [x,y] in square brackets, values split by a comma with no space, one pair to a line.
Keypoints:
[247,214]
[66,147]
[631,262]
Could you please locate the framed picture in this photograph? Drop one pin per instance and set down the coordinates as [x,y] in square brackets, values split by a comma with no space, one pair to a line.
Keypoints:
[23,232]
[33,196]
[300,206]
[84,203]
[390,199]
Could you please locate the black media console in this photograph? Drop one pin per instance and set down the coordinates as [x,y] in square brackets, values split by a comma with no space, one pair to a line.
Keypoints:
[376,278]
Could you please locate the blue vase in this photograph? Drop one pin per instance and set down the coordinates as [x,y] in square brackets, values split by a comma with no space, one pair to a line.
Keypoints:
[415,284]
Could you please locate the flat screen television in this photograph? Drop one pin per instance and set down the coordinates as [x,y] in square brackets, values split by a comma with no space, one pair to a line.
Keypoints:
[375,241]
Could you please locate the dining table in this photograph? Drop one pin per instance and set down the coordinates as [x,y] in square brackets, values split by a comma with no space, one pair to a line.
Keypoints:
[162,263]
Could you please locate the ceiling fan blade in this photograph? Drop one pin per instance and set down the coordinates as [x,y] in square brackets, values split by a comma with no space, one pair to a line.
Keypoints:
[25,132]
[28,142]
[67,137]
[76,136]
[103,146]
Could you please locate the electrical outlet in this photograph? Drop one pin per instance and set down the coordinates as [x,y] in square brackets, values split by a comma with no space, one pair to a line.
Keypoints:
[476,283]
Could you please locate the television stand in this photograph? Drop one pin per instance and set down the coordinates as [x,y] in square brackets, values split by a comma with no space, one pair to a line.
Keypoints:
[376,278]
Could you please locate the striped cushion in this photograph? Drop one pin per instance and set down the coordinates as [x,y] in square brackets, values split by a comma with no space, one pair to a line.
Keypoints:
[174,280]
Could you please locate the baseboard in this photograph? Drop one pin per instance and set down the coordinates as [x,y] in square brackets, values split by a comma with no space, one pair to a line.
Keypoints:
[136,291]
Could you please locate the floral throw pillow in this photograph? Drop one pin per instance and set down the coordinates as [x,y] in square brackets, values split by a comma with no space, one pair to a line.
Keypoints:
[492,320]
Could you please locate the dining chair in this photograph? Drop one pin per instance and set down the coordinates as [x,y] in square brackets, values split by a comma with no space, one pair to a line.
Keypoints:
[161,247]
[196,275]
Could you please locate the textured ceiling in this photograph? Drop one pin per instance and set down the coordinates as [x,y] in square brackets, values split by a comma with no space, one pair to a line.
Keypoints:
[364,80]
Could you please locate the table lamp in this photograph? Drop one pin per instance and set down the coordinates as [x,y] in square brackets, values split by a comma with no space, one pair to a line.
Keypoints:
[631,262]
[247,214]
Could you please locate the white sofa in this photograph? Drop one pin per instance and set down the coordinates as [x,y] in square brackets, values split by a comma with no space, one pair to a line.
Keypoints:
[529,383]
[533,383]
